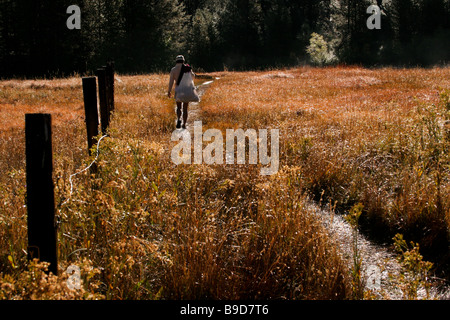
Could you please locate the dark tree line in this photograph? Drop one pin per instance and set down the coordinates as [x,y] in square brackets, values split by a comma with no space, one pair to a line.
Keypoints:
[413,32]
[145,35]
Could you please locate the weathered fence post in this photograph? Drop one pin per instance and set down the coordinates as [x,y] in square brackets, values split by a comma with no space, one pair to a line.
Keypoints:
[110,86]
[102,95]
[42,236]
[90,109]
[91,114]
[107,97]
[447,129]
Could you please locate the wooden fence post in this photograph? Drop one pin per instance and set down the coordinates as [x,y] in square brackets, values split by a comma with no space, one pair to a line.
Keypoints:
[107,98]
[110,87]
[447,129]
[42,236]
[90,109]
[102,95]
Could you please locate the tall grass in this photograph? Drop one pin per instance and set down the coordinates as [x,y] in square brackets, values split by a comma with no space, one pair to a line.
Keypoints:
[144,228]
[372,136]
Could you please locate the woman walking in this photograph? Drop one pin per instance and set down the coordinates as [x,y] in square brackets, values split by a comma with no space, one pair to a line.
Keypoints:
[176,74]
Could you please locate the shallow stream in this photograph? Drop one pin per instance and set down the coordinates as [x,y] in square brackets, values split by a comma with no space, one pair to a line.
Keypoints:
[380,267]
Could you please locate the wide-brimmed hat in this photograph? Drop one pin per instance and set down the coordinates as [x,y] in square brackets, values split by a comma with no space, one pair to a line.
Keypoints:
[180,58]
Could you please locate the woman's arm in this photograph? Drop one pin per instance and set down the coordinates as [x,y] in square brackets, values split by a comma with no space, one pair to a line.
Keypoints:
[171,80]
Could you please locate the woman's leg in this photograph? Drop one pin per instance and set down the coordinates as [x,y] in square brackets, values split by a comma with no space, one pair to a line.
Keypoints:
[178,115]
[185,113]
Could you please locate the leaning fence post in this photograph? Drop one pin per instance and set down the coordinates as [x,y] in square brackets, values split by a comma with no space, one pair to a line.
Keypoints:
[107,97]
[90,109]
[91,114]
[102,95]
[42,236]
[110,87]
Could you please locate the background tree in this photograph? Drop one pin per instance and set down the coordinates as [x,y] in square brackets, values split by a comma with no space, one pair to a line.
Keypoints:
[204,37]
[240,29]
[319,50]
[422,30]
[154,32]
[144,35]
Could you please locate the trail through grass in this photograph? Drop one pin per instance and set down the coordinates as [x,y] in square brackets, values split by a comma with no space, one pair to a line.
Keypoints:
[144,228]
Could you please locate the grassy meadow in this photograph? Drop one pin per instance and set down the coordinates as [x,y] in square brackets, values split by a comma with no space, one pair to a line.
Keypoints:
[145,228]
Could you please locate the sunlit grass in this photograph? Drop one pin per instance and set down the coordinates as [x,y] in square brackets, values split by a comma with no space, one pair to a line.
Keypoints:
[154,230]
[359,135]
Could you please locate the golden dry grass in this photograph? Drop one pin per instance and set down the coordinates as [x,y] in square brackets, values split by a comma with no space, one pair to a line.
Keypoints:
[156,230]
[359,135]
